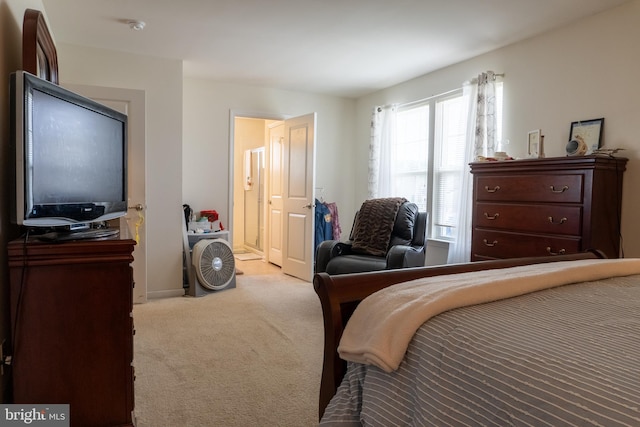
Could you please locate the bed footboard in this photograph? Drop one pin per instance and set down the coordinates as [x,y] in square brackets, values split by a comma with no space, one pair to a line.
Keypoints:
[339,296]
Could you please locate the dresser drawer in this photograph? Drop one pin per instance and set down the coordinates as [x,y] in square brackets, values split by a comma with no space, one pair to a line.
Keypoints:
[565,188]
[549,219]
[499,244]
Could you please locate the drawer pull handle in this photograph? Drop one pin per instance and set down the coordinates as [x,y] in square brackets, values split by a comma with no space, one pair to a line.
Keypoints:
[562,220]
[491,190]
[560,252]
[492,244]
[562,190]
[491,217]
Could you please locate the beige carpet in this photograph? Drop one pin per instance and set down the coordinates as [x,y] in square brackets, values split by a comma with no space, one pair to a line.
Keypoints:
[249,356]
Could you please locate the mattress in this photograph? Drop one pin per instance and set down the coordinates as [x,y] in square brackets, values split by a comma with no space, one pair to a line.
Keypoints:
[569,355]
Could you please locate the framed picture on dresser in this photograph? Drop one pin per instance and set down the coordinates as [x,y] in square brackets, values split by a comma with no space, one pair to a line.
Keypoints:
[590,131]
[534,144]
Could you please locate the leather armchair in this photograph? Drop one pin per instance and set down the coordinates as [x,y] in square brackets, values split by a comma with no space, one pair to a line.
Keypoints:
[406,247]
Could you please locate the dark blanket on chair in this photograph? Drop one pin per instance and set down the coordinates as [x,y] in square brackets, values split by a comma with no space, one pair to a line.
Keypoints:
[374,225]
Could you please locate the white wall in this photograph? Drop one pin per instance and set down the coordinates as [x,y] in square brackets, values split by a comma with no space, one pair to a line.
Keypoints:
[206,161]
[583,71]
[162,82]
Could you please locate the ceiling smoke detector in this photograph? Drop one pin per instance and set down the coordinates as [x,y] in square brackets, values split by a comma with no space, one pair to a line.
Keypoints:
[137,25]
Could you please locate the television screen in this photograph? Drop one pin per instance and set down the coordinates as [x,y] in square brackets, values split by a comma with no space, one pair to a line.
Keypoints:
[70,155]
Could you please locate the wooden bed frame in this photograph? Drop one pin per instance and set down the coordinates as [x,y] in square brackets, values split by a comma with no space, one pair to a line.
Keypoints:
[339,296]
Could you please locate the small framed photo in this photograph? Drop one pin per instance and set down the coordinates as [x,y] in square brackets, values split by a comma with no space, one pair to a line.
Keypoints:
[534,145]
[590,131]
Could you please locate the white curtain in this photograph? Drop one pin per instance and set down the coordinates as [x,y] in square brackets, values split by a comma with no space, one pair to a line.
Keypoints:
[383,130]
[486,120]
[481,139]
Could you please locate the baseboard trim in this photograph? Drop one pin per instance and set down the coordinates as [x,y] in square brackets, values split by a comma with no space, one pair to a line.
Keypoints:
[165,294]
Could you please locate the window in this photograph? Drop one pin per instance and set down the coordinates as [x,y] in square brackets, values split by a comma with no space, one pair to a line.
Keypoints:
[410,155]
[428,155]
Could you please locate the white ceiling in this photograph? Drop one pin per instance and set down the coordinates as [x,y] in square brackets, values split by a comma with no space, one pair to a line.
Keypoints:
[338,47]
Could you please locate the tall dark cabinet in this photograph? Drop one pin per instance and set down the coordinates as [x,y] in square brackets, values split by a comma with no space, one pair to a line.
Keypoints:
[552,206]
[72,328]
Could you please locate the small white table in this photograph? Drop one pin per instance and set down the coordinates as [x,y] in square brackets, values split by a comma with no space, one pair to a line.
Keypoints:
[194,238]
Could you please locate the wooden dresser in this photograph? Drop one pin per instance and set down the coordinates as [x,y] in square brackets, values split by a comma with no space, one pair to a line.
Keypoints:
[72,328]
[550,206]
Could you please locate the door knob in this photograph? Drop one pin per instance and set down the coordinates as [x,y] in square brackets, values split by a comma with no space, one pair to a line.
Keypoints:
[139,207]
[309,206]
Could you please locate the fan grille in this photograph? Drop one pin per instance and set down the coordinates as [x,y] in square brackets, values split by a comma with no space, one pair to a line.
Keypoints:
[216,267]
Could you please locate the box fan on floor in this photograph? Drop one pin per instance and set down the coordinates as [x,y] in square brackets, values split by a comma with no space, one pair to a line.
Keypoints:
[209,265]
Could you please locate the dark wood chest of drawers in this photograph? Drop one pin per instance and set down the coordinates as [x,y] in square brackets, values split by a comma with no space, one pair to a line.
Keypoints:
[551,206]
[72,328]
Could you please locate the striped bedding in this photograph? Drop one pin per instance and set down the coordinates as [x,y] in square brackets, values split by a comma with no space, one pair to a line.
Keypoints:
[566,356]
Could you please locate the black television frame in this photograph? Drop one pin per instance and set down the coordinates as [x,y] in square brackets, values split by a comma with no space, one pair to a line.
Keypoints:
[58,215]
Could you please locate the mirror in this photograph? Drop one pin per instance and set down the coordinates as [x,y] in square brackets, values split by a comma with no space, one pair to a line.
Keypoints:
[39,56]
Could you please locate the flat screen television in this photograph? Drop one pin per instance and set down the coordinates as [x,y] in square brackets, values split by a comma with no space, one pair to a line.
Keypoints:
[70,156]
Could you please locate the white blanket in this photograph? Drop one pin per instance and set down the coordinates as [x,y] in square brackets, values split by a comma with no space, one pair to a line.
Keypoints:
[382,326]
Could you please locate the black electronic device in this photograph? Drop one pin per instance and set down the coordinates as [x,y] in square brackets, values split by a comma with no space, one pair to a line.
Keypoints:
[92,233]
[69,156]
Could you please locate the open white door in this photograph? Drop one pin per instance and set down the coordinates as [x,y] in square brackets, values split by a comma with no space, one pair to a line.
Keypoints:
[298,198]
[132,103]
[274,198]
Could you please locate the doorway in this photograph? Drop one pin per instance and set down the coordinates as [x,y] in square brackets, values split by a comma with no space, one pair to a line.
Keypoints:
[254,206]
[287,215]
[250,182]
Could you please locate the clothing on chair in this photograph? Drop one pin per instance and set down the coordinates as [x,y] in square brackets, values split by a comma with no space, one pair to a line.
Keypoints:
[323,228]
[335,222]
